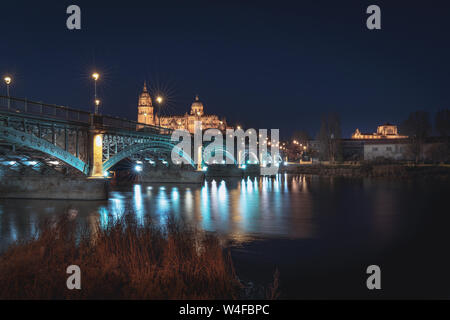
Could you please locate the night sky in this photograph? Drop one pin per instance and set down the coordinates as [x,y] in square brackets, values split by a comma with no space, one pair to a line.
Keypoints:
[259,64]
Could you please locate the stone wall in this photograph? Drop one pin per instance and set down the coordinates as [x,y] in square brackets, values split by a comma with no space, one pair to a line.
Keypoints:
[53,187]
[372,170]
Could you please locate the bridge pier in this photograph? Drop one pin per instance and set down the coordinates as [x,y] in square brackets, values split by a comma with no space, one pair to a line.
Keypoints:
[96,155]
[199,158]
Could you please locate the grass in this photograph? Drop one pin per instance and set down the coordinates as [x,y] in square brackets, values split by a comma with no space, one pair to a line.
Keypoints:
[124,260]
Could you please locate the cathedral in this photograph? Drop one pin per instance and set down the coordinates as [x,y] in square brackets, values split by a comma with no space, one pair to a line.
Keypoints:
[146,115]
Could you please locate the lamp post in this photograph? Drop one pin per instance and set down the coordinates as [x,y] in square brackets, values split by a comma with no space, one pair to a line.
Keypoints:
[7,80]
[96,76]
[97,103]
[159,100]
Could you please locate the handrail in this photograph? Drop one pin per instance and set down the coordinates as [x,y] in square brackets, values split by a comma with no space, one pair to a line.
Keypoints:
[17,105]
[26,106]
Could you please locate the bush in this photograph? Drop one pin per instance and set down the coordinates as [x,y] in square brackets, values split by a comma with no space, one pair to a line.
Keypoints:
[123,260]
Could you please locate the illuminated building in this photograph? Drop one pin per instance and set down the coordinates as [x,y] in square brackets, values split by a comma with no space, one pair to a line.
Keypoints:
[385,131]
[146,115]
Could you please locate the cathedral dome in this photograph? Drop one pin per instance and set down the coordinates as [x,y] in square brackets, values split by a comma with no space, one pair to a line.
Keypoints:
[197,107]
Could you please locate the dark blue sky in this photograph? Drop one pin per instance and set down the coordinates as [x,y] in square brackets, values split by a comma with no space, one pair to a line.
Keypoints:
[260,64]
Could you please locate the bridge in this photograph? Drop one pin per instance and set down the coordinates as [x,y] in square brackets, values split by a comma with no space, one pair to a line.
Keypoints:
[44,136]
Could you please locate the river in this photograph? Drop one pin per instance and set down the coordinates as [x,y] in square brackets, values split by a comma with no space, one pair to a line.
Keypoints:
[321,233]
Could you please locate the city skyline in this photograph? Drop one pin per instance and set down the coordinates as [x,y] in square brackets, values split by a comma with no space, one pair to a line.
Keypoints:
[281,67]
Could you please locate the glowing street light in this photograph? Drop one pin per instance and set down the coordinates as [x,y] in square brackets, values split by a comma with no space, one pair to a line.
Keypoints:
[97,103]
[7,80]
[159,100]
[96,76]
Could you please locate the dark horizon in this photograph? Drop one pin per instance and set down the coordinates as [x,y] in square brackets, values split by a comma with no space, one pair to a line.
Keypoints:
[256,64]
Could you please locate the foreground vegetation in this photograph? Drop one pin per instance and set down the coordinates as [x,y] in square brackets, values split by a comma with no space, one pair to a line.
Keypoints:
[124,260]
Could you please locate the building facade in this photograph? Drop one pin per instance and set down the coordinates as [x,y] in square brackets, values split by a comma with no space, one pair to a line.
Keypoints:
[386,149]
[385,131]
[187,121]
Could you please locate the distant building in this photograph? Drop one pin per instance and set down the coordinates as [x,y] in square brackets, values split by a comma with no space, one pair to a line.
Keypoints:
[386,149]
[385,131]
[352,149]
[146,115]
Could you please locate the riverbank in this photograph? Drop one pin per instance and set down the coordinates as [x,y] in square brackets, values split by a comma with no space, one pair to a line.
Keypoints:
[368,170]
[57,187]
[124,260]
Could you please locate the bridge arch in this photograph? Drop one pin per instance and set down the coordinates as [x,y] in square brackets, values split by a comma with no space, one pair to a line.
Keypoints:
[267,158]
[224,151]
[30,141]
[139,147]
[252,157]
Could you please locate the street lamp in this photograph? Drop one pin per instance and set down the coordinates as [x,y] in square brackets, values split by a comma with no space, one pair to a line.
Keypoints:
[7,80]
[159,100]
[97,103]
[96,76]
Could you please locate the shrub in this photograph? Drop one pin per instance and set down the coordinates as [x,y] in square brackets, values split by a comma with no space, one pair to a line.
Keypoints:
[123,260]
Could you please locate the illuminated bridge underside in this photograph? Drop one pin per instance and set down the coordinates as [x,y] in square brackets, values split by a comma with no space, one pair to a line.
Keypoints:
[139,147]
[21,138]
[211,152]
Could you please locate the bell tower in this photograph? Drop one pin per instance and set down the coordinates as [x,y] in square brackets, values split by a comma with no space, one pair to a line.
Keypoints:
[145,107]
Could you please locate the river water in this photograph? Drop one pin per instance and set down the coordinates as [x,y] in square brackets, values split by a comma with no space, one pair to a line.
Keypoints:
[320,233]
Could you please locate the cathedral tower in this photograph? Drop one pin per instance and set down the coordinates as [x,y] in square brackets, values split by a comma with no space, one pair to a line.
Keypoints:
[145,107]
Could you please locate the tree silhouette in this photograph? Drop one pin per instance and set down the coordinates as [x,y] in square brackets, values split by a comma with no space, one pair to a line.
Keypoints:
[418,128]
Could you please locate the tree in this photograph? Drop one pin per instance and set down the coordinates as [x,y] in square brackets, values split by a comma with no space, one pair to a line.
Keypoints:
[301,136]
[329,137]
[441,151]
[298,144]
[442,123]
[418,128]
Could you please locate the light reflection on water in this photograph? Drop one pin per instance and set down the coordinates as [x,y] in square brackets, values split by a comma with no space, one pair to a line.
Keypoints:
[237,208]
[295,207]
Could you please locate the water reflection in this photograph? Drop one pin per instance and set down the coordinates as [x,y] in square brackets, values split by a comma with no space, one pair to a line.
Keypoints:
[240,209]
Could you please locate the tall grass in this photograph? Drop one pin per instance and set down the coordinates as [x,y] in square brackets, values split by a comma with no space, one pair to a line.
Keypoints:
[124,260]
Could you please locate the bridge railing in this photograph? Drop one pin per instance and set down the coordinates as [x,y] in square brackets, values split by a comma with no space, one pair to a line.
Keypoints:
[116,122]
[25,106]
